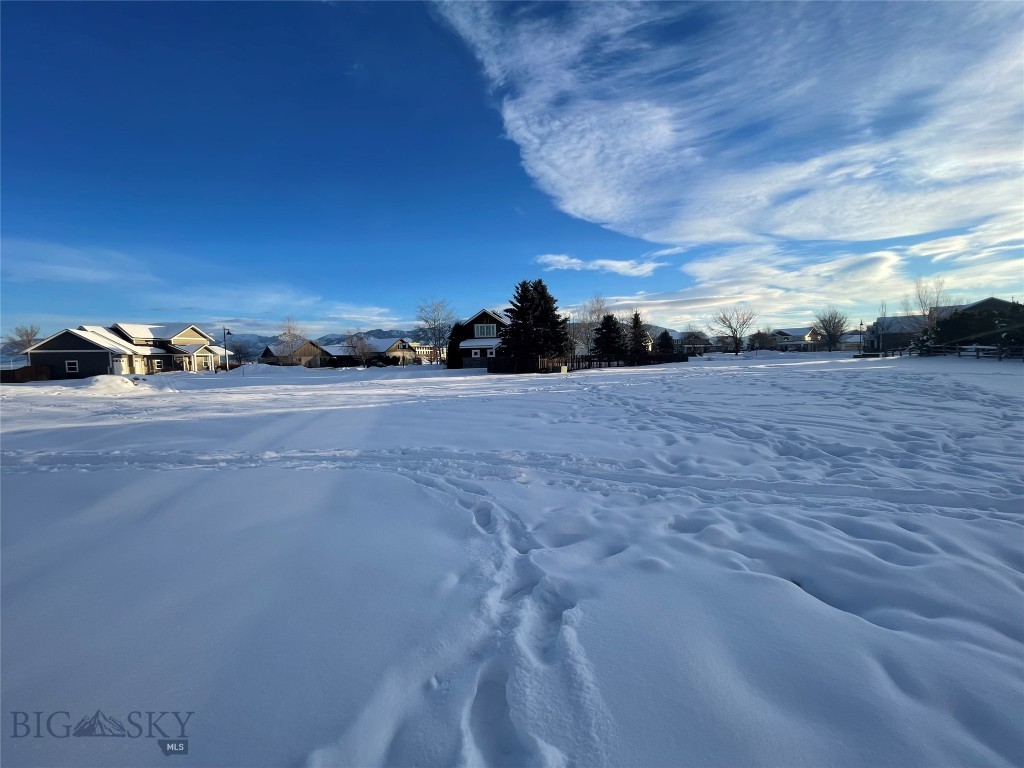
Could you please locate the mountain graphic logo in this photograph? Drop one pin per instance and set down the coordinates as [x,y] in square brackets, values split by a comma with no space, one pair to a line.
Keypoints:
[99,725]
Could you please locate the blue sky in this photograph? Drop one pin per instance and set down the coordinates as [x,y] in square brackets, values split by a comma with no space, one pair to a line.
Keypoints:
[339,162]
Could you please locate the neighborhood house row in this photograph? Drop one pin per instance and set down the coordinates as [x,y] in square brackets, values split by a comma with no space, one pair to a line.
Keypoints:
[131,348]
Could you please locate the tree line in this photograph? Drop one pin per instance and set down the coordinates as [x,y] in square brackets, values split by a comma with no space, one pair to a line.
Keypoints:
[537,328]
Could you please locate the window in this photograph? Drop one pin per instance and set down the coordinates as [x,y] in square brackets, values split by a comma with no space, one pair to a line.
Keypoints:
[490,353]
[71,366]
[476,353]
[485,330]
[158,365]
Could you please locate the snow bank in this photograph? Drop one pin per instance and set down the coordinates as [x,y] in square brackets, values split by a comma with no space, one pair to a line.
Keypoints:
[788,560]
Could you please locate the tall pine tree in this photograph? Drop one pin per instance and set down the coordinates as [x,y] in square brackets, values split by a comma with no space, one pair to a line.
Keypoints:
[609,338]
[535,329]
[664,342]
[636,339]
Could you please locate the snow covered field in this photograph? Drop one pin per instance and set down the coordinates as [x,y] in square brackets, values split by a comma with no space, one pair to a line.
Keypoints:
[784,561]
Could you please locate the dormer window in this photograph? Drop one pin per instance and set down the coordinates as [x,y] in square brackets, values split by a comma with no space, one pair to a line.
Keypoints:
[485,330]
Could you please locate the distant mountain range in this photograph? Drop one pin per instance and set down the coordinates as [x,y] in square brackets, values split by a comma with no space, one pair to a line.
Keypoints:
[260,341]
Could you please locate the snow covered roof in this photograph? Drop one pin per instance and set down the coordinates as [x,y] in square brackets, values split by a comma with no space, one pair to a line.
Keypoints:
[801,332]
[480,344]
[161,331]
[104,339]
[282,349]
[899,324]
[191,349]
[496,316]
[107,338]
[286,348]
[336,350]
[383,345]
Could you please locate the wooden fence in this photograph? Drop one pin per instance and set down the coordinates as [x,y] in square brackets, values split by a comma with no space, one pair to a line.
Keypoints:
[579,362]
[25,374]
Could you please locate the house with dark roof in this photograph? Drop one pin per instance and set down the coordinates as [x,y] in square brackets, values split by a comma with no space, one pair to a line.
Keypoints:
[474,341]
[891,333]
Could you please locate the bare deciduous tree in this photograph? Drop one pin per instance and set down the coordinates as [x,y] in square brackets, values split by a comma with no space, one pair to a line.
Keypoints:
[291,336]
[360,348]
[882,324]
[830,324]
[583,322]
[923,305]
[733,323]
[436,318]
[245,351]
[292,333]
[22,337]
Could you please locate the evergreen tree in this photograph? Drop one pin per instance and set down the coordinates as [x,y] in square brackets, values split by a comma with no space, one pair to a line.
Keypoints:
[535,329]
[459,333]
[609,338]
[637,336]
[664,342]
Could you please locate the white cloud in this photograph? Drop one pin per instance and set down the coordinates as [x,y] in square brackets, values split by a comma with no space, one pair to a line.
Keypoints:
[628,268]
[352,316]
[763,129]
[38,261]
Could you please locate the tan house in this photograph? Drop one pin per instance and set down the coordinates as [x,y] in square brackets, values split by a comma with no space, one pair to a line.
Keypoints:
[400,348]
[302,352]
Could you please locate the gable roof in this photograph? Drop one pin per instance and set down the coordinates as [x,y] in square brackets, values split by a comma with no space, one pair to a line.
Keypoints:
[491,316]
[288,348]
[946,311]
[899,324]
[383,345]
[110,344]
[166,331]
[191,349]
[801,332]
[116,342]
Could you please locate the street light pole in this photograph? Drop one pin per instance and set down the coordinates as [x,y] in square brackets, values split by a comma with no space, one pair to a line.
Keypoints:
[226,334]
[862,337]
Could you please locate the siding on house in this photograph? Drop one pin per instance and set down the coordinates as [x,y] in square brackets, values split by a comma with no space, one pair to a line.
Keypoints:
[94,362]
[477,348]
[308,354]
[63,341]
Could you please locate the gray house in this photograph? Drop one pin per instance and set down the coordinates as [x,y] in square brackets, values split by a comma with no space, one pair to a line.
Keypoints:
[92,350]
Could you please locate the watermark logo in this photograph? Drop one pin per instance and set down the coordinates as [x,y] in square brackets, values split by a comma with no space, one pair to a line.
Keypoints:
[169,728]
[99,725]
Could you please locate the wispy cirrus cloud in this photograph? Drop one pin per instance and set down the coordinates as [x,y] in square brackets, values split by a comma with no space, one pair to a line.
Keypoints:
[353,316]
[626,267]
[142,293]
[780,125]
[38,261]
